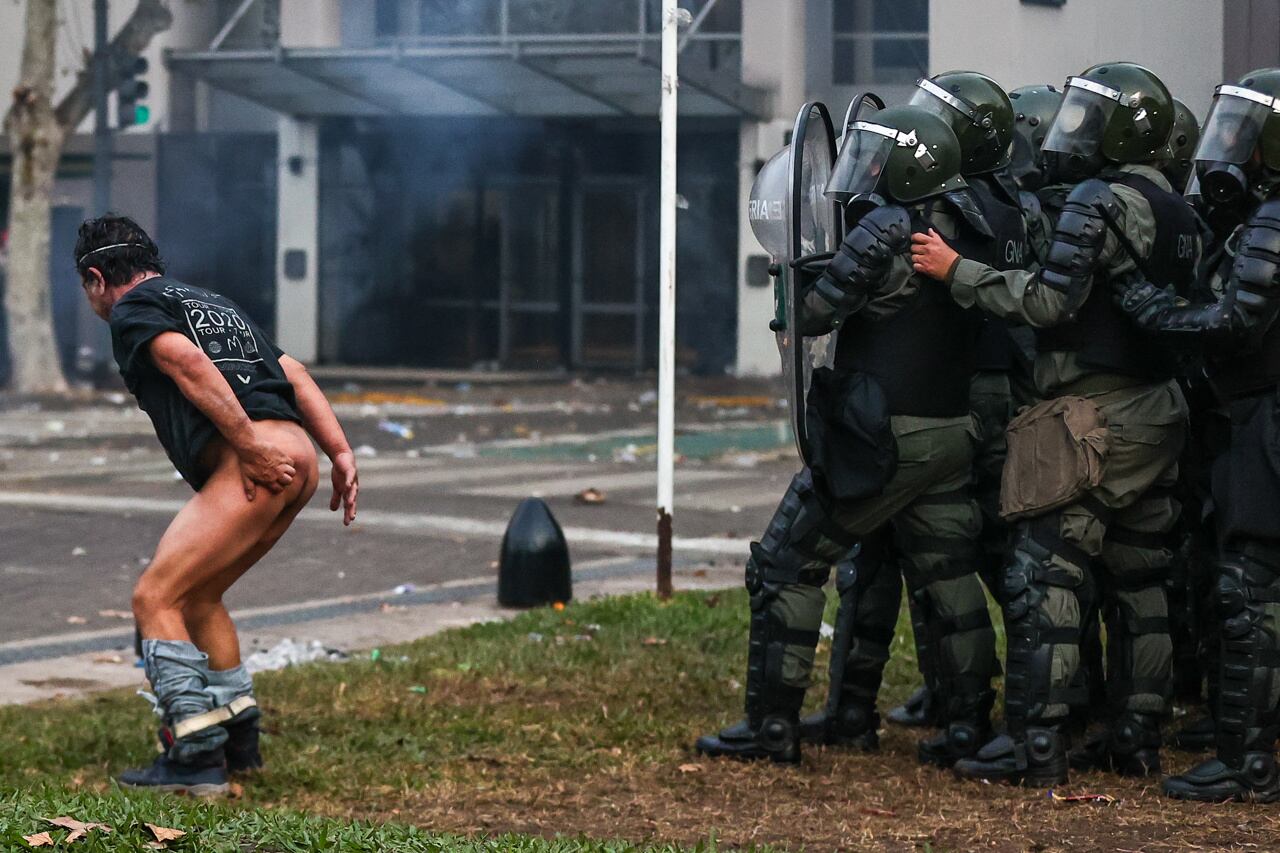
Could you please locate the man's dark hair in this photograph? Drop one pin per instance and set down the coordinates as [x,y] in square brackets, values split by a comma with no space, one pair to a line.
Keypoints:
[118,247]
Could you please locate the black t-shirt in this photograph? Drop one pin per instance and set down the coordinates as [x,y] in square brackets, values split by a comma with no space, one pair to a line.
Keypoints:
[249,362]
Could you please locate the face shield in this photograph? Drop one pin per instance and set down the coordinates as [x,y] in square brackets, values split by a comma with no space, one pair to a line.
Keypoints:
[1230,139]
[864,154]
[1078,128]
[937,100]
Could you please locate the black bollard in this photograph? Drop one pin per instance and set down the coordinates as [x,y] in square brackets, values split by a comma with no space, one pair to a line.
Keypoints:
[534,566]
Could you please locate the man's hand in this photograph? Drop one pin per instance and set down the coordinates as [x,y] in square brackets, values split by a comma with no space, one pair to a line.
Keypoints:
[931,256]
[346,486]
[1142,301]
[264,464]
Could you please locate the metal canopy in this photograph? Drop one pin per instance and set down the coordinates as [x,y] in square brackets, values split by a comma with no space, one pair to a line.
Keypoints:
[587,77]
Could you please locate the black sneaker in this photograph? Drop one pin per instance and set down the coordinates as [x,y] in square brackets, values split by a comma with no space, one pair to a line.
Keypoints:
[1040,762]
[778,740]
[916,712]
[206,780]
[1214,781]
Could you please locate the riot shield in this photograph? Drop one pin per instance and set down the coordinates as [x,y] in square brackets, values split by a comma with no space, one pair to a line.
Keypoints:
[813,234]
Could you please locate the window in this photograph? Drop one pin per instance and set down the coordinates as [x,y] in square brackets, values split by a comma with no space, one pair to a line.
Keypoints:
[879,41]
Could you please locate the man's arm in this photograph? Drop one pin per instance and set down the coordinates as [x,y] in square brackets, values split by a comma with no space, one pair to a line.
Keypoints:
[323,426]
[261,463]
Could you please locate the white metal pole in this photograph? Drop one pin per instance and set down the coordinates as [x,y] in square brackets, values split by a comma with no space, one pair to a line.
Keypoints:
[671,15]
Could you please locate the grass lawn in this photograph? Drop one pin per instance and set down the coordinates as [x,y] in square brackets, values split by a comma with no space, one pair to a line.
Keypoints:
[554,728]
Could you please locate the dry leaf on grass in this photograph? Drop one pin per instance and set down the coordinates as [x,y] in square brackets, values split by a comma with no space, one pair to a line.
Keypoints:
[690,768]
[40,839]
[878,812]
[79,829]
[653,641]
[164,833]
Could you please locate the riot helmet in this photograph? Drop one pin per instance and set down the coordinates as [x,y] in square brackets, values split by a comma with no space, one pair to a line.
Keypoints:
[978,111]
[1240,145]
[1180,156]
[900,155]
[1033,110]
[1117,112]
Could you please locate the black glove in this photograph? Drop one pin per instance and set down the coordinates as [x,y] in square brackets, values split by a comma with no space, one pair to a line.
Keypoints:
[865,255]
[1145,303]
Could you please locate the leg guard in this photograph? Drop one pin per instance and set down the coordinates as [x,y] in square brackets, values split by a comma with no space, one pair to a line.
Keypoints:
[870,590]
[784,576]
[1041,611]
[1249,678]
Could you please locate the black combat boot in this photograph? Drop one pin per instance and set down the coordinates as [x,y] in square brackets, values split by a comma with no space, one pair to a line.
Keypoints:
[1130,746]
[204,776]
[776,736]
[916,712]
[968,730]
[1196,736]
[1038,761]
[1255,780]
[853,725]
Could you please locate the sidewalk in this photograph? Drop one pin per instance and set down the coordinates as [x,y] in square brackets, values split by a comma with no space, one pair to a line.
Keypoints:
[353,624]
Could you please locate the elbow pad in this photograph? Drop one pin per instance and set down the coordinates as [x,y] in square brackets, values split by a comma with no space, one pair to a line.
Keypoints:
[865,256]
[1075,250]
[1255,275]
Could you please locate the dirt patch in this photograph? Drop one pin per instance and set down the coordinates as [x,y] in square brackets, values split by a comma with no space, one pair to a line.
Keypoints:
[836,800]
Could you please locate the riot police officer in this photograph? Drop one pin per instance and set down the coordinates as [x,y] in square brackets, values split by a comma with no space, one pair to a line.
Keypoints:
[1238,167]
[890,452]
[979,113]
[1090,469]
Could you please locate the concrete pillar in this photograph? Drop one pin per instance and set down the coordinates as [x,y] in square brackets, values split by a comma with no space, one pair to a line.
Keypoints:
[774,60]
[310,23]
[298,238]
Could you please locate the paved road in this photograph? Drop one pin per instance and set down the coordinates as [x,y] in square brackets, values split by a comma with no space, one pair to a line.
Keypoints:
[85,493]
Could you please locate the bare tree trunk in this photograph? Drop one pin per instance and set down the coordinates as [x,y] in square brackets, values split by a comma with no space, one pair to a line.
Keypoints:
[36,132]
[35,139]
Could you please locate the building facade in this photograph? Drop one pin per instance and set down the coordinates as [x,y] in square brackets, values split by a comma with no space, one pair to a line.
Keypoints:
[462,183]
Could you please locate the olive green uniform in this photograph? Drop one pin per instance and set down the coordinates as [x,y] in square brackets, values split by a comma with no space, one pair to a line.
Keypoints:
[1112,535]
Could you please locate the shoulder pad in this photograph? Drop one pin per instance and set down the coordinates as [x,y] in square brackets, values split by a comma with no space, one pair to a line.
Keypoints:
[967,206]
[1095,193]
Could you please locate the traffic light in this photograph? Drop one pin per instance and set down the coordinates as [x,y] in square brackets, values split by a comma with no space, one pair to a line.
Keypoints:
[131,92]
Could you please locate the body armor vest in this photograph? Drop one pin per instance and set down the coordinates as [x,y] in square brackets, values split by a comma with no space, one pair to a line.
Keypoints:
[1102,334]
[924,355]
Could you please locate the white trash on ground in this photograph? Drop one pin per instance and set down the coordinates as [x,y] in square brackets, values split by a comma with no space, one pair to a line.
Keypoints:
[288,652]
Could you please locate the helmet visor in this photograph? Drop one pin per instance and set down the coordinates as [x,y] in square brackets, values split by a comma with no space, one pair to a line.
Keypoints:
[940,102]
[863,156]
[1082,119]
[1234,125]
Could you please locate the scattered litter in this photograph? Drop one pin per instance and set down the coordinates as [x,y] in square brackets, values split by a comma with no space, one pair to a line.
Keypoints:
[375,655]
[387,607]
[533,637]
[364,451]
[1105,799]
[417,688]
[116,398]
[827,631]
[735,509]
[108,659]
[98,461]
[648,398]
[735,684]
[76,620]
[744,460]
[55,456]
[690,768]
[78,551]
[404,589]
[559,605]
[395,428]
[626,454]
[55,426]
[589,497]
[115,614]
[653,641]
[341,575]
[288,652]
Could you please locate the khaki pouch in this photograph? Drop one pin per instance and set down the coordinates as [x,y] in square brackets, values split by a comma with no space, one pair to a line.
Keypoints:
[1057,450]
